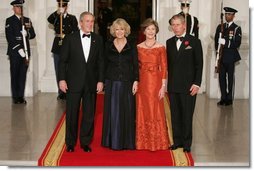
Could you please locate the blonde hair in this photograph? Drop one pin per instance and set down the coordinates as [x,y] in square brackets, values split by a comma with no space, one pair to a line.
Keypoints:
[122,23]
[148,22]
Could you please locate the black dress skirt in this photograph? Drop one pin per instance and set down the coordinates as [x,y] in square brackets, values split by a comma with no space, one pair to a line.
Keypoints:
[119,116]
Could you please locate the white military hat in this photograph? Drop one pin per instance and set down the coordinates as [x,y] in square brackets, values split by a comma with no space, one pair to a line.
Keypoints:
[185,1]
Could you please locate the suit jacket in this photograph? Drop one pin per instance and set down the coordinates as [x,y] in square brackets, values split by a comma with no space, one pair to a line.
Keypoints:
[70,25]
[13,28]
[233,38]
[73,67]
[121,66]
[184,66]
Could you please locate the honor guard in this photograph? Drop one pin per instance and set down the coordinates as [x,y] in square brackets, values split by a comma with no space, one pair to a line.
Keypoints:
[64,23]
[231,41]
[18,31]
[105,19]
[191,21]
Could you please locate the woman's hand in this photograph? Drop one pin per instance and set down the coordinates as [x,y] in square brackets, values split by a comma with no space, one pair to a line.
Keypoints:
[135,87]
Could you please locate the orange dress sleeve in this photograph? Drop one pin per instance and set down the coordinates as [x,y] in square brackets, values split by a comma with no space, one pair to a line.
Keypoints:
[164,63]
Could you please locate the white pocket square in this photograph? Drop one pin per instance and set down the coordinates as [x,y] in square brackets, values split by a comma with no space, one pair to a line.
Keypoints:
[188,47]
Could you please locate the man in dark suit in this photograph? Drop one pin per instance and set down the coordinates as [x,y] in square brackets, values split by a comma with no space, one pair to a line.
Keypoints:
[231,41]
[16,50]
[81,76]
[185,64]
[69,25]
[191,21]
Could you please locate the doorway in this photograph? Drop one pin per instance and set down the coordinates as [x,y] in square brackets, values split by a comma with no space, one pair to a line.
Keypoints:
[133,11]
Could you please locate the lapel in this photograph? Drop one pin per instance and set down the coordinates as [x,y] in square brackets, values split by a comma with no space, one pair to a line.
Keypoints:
[92,47]
[80,45]
[182,47]
[174,48]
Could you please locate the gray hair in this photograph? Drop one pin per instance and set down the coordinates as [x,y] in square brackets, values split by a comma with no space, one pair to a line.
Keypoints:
[175,17]
[122,23]
[85,13]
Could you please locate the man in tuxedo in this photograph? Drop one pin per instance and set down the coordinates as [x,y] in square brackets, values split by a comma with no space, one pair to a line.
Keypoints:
[185,64]
[69,25]
[81,76]
[16,49]
[231,41]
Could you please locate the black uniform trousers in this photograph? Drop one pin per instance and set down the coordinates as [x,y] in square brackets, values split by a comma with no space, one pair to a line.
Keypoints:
[73,101]
[182,109]
[226,80]
[18,69]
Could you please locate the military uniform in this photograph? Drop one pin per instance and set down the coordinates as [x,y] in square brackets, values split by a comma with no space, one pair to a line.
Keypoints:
[232,35]
[192,27]
[18,65]
[70,25]
[104,20]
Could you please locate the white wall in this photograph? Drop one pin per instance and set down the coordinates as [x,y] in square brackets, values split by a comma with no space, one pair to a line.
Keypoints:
[207,11]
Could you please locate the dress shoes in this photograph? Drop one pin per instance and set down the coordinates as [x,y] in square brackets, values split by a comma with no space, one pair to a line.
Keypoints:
[174,147]
[19,100]
[229,102]
[22,101]
[187,149]
[221,103]
[86,148]
[61,97]
[70,148]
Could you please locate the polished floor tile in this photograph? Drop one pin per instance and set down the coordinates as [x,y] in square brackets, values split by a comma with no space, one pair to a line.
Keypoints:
[221,135]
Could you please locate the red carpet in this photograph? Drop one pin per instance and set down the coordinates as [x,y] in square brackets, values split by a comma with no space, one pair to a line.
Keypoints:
[55,155]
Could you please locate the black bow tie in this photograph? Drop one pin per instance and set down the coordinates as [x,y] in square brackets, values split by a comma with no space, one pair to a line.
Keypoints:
[179,38]
[86,35]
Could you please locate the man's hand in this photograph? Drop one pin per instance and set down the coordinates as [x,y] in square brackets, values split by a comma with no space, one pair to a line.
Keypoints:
[222,41]
[22,53]
[60,10]
[194,90]
[24,32]
[99,87]
[63,86]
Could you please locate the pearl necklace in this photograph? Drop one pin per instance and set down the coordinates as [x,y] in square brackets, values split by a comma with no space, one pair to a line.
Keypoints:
[151,45]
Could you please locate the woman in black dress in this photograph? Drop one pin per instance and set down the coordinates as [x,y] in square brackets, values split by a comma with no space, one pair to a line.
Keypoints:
[121,82]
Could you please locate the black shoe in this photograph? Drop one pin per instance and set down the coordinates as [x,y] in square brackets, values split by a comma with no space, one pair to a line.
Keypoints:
[61,97]
[22,100]
[174,147]
[229,102]
[15,101]
[70,148]
[187,149]
[86,148]
[221,103]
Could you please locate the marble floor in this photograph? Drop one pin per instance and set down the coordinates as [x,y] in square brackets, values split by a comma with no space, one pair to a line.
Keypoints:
[221,135]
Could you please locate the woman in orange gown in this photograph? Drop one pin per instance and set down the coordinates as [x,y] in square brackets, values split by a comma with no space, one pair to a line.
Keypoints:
[151,127]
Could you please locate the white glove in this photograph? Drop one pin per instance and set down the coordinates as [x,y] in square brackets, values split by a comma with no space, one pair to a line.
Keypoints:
[22,53]
[221,41]
[24,32]
[60,10]
[185,10]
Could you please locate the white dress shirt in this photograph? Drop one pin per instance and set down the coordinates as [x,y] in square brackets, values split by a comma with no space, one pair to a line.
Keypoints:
[179,42]
[86,43]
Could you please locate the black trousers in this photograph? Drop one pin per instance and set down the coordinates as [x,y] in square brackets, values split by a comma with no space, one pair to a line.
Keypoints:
[226,80]
[18,69]
[182,109]
[73,101]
